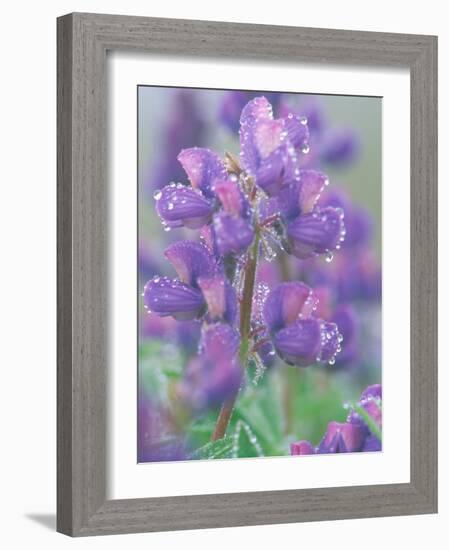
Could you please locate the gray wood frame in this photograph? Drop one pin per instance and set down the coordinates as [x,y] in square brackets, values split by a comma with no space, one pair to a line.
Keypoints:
[83,40]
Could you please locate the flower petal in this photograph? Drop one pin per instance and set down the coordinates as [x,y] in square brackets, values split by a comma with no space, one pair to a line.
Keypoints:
[374,391]
[299,343]
[268,136]
[342,438]
[301,448]
[231,198]
[346,319]
[178,206]
[165,297]
[372,444]
[191,260]
[256,111]
[203,167]
[287,303]
[232,234]
[312,184]
[315,233]
[297,131]
[330,342]
[220,297]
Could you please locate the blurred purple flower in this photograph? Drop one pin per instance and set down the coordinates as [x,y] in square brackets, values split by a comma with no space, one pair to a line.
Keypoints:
[185,128]
[215,373]
[340,147]
[358,221]
[333,146]
[156,441]
[345,317]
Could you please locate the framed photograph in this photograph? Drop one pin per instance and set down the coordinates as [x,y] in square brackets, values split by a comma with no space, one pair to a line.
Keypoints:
[247,281]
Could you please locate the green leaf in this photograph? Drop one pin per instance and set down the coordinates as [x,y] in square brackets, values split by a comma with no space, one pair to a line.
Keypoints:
[246,444]
[222,448]
[261,409]
[369,421]
[164,356]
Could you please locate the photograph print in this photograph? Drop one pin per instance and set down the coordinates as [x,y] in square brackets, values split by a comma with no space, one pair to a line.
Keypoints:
[259,274]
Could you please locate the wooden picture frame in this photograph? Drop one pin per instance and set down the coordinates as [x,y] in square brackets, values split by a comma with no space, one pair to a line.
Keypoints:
[83,40]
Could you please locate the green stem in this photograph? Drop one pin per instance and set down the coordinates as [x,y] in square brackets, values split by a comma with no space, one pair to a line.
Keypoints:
[245,328]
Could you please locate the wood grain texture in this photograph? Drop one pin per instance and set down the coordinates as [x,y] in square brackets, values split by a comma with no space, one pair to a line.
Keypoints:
[83,40]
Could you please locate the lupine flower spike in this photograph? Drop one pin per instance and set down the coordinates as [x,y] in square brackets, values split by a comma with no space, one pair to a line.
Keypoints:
[234,203]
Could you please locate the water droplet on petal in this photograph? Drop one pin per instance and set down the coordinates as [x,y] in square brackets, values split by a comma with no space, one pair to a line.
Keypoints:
[157,194]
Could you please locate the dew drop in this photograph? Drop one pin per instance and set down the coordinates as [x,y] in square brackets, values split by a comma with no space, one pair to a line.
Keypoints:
[305,149]
[329,256]
[170,206]
[157,194]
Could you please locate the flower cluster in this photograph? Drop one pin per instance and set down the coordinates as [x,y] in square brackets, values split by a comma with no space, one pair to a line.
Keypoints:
[360,432]
[237,205]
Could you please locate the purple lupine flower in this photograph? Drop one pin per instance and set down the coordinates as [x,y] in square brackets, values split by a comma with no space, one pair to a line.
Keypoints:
[310,230]
[201,288]
[181,298]
[270,148]
[234,101]
[220,298]
[342,438]
[351,436]
[298,338]
[346,318]
[215,374]
[318,232]
[181,206]
[233,230]
[178,205]
[203,167]
[165,296]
